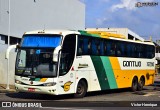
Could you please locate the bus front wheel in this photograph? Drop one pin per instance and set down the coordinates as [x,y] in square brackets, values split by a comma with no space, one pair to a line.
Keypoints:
[81,89]
[134,84]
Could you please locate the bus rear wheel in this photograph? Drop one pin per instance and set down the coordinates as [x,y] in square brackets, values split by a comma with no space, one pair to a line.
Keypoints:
[134,84]
[81,89]
[141,84]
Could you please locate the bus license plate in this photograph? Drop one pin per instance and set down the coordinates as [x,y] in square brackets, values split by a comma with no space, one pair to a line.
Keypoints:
[31,89]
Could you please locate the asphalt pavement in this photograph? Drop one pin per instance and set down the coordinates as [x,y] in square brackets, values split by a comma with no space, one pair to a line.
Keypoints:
[117,99]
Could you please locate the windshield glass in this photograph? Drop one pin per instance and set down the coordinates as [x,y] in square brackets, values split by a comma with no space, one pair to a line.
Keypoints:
[35,57]
[41,40]
[36,62]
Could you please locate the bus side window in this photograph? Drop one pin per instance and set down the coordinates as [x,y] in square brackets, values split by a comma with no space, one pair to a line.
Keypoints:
[108,48]
[128,50]
[118,49]
[136,51]
[153,51]
[85,46]
[150,51]
[133,51]
[113,49]
[95,44]
[141,51]
[123,48]
[101,47]
[89,46]
[97,41]
[105,47]
[80,46]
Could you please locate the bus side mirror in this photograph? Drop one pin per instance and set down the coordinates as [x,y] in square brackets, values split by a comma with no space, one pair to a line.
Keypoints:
[8,50]
[55,53]
[17,47]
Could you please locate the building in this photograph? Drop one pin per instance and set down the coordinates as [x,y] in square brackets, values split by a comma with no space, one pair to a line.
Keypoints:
[124,31]
[28,15]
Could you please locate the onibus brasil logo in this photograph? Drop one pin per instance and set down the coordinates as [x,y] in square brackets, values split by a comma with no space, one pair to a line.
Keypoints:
[146,4]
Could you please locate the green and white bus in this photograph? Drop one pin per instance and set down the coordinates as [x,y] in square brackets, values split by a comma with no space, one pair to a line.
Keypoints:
[75,62]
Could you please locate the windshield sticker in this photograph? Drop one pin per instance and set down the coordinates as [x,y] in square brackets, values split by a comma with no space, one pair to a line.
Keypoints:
[38,51]
[66,86]
[38,79]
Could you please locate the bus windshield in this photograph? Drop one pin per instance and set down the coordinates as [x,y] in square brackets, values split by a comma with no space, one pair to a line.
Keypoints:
[35,57]
[35,62]
[41,40]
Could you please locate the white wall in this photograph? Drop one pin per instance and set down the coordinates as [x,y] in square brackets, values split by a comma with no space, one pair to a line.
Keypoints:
[27,15]
[3,68]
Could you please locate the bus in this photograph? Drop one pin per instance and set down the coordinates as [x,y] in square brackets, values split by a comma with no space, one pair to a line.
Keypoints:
[60,62]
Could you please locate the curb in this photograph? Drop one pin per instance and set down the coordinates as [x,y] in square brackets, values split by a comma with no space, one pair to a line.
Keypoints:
[4,90]
[7,90]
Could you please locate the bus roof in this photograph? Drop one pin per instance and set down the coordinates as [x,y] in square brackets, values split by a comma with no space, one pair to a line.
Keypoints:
[102,34]
[60,31]
[107,35]
[99,34]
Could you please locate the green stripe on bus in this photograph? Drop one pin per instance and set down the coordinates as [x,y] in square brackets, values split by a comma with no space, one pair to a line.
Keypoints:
[37,79]
[88,34]
[100,71]
[109,72]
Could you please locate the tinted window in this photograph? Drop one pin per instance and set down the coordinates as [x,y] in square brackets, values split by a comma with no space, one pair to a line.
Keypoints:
[107,47]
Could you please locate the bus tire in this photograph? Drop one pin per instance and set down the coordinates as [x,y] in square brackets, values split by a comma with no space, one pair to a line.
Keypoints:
[141,84]
[81,89]
[134,84]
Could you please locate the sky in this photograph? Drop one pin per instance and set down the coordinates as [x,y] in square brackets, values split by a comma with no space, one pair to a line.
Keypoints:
[144,21]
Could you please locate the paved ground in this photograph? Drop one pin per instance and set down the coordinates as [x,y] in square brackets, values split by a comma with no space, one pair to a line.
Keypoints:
[93,101]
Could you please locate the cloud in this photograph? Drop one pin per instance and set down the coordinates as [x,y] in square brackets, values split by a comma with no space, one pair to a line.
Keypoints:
[128,4]
[104,0]
[143,21]
[155,31]
[100,21]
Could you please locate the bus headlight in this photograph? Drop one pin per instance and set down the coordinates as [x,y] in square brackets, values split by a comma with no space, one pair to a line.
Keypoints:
[50,84]
[18,82]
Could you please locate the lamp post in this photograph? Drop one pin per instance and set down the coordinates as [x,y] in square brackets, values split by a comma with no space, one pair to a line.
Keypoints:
[8,43]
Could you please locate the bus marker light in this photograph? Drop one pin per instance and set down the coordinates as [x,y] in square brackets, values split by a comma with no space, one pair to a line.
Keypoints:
[72,69]
[17,81]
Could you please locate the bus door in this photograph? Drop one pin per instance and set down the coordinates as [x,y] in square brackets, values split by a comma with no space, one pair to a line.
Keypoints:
[66,78]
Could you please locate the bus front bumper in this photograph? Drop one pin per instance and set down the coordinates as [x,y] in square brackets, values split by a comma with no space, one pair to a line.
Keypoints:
[36,89]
